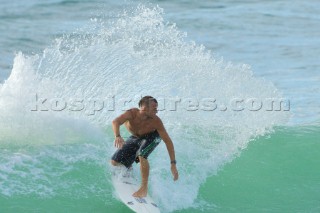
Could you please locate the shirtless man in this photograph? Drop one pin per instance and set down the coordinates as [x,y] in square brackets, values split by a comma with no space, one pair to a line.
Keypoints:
[147,130]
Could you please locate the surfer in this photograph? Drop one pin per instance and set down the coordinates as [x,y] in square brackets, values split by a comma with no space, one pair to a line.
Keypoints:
[147,131]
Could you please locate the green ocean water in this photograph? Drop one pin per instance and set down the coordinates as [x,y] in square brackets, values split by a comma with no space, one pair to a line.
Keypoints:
[275,173]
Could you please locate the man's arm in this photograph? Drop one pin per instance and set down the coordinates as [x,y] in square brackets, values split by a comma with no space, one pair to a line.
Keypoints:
[167,140]
[116,123]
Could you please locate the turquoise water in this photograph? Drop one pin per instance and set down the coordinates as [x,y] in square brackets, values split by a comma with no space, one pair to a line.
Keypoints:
[274,174]
[76,63]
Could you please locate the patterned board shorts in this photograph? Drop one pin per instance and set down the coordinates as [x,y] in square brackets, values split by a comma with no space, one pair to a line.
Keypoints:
[135,147]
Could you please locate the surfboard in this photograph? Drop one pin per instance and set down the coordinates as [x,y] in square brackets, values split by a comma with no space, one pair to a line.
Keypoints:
[125,184]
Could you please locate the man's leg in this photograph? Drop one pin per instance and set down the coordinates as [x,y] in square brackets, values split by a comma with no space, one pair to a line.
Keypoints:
[126,155]
[144,168]
[115,163]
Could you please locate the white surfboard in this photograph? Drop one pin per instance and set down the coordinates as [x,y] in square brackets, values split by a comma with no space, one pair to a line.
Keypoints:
[125,185]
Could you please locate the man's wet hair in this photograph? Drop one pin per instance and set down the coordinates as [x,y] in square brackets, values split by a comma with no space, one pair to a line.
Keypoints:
[146,101]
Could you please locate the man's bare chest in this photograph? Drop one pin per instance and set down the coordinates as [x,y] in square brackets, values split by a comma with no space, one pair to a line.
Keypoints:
[138,127]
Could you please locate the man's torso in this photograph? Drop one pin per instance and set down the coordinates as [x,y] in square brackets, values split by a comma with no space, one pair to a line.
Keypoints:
[139,127]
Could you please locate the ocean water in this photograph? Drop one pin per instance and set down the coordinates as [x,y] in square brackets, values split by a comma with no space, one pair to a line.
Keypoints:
[68,67]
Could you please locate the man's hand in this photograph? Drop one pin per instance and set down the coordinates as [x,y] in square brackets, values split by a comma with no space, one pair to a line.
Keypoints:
[118,142]
[174,172]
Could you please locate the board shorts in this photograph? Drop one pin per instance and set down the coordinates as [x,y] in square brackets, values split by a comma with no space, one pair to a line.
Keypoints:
[135,147]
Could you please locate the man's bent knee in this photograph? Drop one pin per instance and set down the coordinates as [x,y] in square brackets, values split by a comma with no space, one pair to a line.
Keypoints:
[114,163]
[142,159]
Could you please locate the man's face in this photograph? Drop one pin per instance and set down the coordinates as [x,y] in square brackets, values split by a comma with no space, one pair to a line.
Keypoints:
[152,109]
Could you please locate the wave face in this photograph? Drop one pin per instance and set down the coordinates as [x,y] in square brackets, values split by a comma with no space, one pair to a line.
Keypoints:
[56,109]
[279,172]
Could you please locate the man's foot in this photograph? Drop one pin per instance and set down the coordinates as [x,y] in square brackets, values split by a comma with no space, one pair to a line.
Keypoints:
[142,192]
